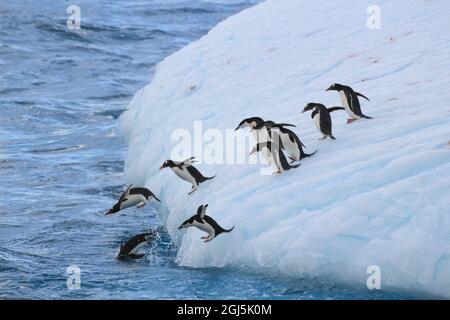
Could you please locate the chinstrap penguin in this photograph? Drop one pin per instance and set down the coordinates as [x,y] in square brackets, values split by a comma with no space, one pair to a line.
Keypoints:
[186,171]
[133,196]
[131,247]
[205,223]
[350,101]
[322,118]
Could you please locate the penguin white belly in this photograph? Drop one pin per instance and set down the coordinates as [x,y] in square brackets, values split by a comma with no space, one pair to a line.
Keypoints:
[205,227]
[346,105]
[184,174]
[291,146]
[267,155]
[261,135]
[132,200]
[137,248]
[317,121]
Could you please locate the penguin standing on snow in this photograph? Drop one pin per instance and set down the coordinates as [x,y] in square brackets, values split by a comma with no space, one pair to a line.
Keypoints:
[322,118]
[350,101]
[186,171]
[288,139]
[274,155]
[131,247]
[131,197]
[204,223]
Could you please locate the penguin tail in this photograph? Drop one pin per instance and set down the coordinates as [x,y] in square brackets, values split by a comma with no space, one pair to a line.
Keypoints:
[136,256]
[228,230]
[293,166]
[209,178]
[306,155]
[332,137]
[367,117]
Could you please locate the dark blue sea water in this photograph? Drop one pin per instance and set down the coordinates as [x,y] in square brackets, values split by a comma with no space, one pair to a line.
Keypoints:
[61,161]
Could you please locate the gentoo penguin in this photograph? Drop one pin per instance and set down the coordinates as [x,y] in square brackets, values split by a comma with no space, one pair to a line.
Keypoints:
[350,101]
[131,247]
[261,134]
[186,171]
[131,197]
[204,223]
[289,140]
[322,118]
[274,155]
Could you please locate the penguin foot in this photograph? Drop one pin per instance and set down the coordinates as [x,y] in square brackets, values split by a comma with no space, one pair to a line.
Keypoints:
[323,138]
[141,205]
[277,172]
[205,237]
[208,239]
[192,191]
[350,121]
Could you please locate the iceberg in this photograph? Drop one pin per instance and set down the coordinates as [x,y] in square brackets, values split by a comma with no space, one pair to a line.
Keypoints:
[377,196]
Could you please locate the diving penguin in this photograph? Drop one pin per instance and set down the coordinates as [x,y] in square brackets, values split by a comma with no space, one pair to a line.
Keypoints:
[204,223]
[322,118]
[350,101]
[132,196]
[131,247]
[186,171]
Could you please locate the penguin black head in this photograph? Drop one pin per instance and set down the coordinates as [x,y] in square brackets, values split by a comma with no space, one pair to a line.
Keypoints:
[114,209]
[249,122]
[339,87]
[167,164]
[310,106]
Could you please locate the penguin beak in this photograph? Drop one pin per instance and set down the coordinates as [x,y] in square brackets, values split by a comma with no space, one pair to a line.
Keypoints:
[162,167]
[329,89]
[237,128]
[180,227]
[109,212]
[303,111]
[156,198]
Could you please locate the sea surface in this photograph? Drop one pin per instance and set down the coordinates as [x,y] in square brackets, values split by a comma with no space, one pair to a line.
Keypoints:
[62,157]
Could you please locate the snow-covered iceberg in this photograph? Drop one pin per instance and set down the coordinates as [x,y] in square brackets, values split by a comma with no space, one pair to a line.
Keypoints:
[378,195]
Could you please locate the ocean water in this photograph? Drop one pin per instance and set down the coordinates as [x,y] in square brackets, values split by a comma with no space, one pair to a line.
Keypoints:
[61,160]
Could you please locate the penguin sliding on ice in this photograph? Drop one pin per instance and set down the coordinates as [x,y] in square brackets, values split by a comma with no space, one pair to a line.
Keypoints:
[274,155]
[131,197]
[204,223]
[131,247]
[186,171]
[288,140]
[350,101]
[322,118]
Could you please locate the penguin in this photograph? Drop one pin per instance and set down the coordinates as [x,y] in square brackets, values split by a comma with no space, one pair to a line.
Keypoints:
[289,141]
[186,171]
[350,101]
[322,118]
[131,247]
[133,196]
[205,223]
[249,123]
[261,134]
[274,156]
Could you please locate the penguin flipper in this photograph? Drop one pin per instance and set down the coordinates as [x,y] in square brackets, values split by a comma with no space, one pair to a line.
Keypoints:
[335,109]
[136,256]
[362,96]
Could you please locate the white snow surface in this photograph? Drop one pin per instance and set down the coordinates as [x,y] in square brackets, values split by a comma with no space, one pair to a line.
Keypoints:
[378,195]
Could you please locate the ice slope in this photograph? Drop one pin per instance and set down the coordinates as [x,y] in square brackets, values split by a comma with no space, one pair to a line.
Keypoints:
[378,195]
